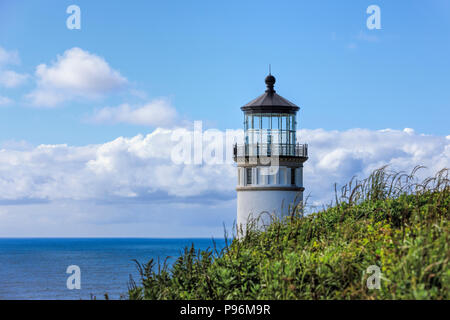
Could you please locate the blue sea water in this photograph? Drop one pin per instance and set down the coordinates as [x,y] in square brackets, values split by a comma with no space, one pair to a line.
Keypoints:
[35,268]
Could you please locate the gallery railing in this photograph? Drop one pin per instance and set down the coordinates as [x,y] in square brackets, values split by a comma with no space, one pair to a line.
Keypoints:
[267,150]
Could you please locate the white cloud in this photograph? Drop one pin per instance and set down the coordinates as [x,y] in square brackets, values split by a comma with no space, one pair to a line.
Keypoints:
[140,168]
[335,157]
[12,79]
[75,74]
[155,113]
[126,168]
[8,57]
[130,186]
[4,101]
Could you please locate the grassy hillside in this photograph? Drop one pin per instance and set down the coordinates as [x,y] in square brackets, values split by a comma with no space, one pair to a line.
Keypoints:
[388,220]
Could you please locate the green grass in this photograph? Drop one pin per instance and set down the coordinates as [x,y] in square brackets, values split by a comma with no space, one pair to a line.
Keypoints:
[389,220]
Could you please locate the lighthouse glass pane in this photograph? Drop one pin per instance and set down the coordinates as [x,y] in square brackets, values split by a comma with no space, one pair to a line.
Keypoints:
[257,122]
[266,122]
[274,135]
[292,137]
[275,121]
[283,137]
[264,135]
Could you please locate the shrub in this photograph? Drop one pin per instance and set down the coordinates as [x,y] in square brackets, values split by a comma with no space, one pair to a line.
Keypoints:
[389,220]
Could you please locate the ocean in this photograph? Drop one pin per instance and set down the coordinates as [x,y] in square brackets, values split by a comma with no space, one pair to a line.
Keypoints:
[35,268]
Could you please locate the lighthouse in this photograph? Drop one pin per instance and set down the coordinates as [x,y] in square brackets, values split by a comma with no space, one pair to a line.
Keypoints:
[269,161]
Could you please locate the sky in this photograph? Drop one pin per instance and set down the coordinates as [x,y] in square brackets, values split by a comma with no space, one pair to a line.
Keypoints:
[87,115]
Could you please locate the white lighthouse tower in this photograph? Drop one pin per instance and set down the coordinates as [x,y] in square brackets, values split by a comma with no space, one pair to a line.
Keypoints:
[270,161]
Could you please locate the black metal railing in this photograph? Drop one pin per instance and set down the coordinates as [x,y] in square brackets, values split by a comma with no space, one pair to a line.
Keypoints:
[267,150]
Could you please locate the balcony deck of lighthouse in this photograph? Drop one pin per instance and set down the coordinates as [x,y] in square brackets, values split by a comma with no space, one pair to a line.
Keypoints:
[270,161]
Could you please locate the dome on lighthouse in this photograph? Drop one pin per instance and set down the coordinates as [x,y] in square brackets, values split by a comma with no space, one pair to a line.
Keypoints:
[270,80]
[270,101]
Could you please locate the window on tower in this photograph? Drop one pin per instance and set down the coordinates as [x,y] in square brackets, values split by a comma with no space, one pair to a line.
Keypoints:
[264,131]
[293,176]
[249,175]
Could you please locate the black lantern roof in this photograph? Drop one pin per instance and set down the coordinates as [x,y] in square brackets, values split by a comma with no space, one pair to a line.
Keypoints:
[270,101]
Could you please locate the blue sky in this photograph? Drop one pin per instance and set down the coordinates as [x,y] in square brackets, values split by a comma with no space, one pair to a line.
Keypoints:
[211,57]
[203,60]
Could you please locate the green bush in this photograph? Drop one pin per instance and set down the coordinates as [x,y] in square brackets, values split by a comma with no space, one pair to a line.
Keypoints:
[389,220]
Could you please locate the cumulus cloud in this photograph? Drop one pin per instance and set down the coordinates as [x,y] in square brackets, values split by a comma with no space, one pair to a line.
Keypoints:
[12,79]
[155,113]
[337,156]
[75,74]
[131,187]
[140,168]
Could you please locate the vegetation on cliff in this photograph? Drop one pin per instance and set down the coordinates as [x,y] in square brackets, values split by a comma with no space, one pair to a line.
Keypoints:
[388,220]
